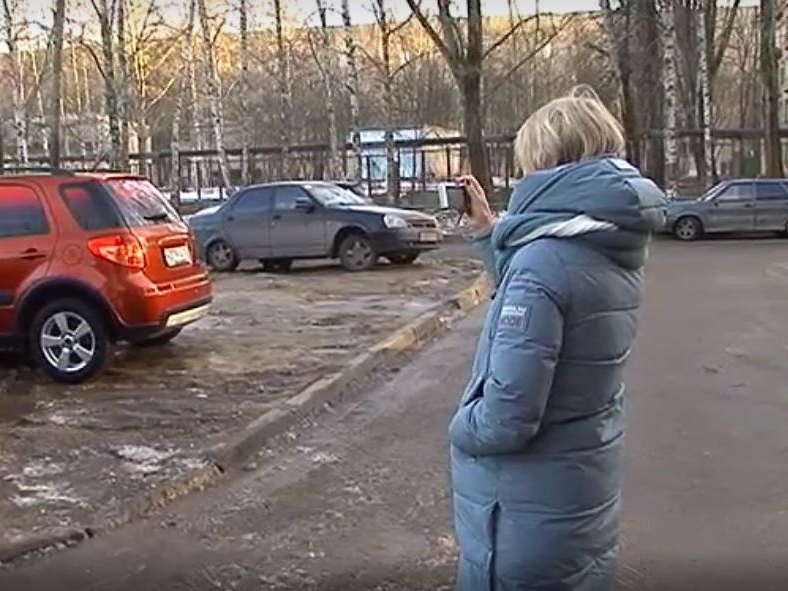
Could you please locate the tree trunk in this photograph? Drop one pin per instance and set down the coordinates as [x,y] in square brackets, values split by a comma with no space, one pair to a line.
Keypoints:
[393,185]
[470,82]
[246,120]
[40,79]
[109,75]
[619,49]
[352,86]
[473,128]
[705,106]
[214,94]
[176,184]
[771,96]
[668,17]
[285,100]
[122,81]
[328,73]
[18,91]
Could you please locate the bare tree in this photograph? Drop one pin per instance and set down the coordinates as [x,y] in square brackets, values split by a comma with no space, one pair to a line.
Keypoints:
[388,29]
[465,52]
[771,89]
[56,96]
[107,65]
[187,59]
[352,86]
[705,114]
[214,92]
[324,58]
[668,34]
[246,123]
[285,98]
[17,80]
[618,41]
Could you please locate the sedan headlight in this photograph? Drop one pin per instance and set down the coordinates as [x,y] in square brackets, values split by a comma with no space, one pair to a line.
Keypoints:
[394,221]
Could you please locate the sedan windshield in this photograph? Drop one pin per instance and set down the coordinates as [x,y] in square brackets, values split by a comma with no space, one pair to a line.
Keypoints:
[334,195]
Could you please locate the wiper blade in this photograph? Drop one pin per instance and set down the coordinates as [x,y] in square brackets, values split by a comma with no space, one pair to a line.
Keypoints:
[157,217]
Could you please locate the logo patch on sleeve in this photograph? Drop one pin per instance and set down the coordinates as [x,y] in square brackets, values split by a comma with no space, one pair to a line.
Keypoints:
[513,316]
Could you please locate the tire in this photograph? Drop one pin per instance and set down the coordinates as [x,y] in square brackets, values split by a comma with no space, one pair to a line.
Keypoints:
[56,332]
[356,253]
[402,259]
[158,340]
[277,265]
[221,257]
[687,228]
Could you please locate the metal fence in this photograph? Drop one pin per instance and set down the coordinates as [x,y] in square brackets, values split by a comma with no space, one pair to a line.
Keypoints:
[421,163]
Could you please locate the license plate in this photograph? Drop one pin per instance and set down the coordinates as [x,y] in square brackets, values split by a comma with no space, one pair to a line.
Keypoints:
[428,237]
[178,256]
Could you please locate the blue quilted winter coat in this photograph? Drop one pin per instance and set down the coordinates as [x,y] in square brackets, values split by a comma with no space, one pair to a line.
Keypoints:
[536,440]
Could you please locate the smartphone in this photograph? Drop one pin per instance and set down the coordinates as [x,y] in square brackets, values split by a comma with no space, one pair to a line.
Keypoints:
[454,196]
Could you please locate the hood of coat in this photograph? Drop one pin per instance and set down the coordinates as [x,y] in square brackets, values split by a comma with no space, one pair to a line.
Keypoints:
[605,202]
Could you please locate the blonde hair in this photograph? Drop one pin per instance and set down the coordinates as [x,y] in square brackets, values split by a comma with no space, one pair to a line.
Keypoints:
[568,129]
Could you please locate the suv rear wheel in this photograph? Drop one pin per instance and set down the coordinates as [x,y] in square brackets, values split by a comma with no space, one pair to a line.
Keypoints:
[356,253]
[221,257]
[69,341]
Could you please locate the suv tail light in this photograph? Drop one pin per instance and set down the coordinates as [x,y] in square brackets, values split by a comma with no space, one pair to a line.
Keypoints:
[122,249]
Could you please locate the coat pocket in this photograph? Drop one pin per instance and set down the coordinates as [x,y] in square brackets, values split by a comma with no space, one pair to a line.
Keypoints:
[473,391]
[475,525]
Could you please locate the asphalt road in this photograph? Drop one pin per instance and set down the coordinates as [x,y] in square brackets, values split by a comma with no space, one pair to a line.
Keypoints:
[360,499]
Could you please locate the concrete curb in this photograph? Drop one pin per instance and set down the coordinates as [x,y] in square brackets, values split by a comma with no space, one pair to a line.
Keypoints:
[243,444]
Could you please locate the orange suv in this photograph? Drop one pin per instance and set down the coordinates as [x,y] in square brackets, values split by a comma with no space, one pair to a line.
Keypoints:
[90,259]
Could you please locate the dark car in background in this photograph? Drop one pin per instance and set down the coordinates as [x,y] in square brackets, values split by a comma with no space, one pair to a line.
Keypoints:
[733,206]
[277,223]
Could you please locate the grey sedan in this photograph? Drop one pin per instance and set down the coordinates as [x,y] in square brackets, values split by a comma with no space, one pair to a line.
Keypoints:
[277,223]
[742,205]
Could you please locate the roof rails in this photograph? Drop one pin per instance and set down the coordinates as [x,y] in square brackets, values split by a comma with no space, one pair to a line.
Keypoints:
[53,170]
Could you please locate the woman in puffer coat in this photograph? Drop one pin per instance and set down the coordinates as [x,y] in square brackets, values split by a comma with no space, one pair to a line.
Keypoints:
[536,440]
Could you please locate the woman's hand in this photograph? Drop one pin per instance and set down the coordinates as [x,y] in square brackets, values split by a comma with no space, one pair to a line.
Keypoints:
[479,215]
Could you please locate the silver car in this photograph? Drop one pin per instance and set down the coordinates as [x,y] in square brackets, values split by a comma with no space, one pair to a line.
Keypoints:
[277,223]
[741,205]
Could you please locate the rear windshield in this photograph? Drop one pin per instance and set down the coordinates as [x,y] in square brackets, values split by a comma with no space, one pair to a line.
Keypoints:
[141,203]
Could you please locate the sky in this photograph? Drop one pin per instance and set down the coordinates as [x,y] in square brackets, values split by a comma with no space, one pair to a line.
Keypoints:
[304,11]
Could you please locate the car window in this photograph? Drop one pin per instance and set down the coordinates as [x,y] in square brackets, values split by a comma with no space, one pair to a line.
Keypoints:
[287,196]
[21,212]
[258,199]
[140,202]
[771,191]
[737,192]
[91,206]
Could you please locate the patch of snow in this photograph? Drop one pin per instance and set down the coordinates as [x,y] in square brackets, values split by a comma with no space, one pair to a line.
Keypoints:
[141,454]
[43,467]
[44,494]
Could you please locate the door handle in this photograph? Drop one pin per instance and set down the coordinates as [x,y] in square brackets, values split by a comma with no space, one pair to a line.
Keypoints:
[749,205]
[230,218]
[32,254]
[277,216]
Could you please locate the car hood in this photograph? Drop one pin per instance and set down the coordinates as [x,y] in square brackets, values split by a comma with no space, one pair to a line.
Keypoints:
[684,204]
[407,214]
[206,214]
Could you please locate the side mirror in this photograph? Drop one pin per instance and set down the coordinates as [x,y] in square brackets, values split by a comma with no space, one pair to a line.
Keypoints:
[304,204]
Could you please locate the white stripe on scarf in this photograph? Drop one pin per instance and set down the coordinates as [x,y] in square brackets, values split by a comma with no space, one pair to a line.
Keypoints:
[581,224]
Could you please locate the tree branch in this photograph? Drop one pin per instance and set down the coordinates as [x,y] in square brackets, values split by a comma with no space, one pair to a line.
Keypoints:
[451,59]
[530,55]
[508,35]
[725,37]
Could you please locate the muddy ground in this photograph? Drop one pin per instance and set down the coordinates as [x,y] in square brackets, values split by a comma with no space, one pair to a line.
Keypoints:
[71,455]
